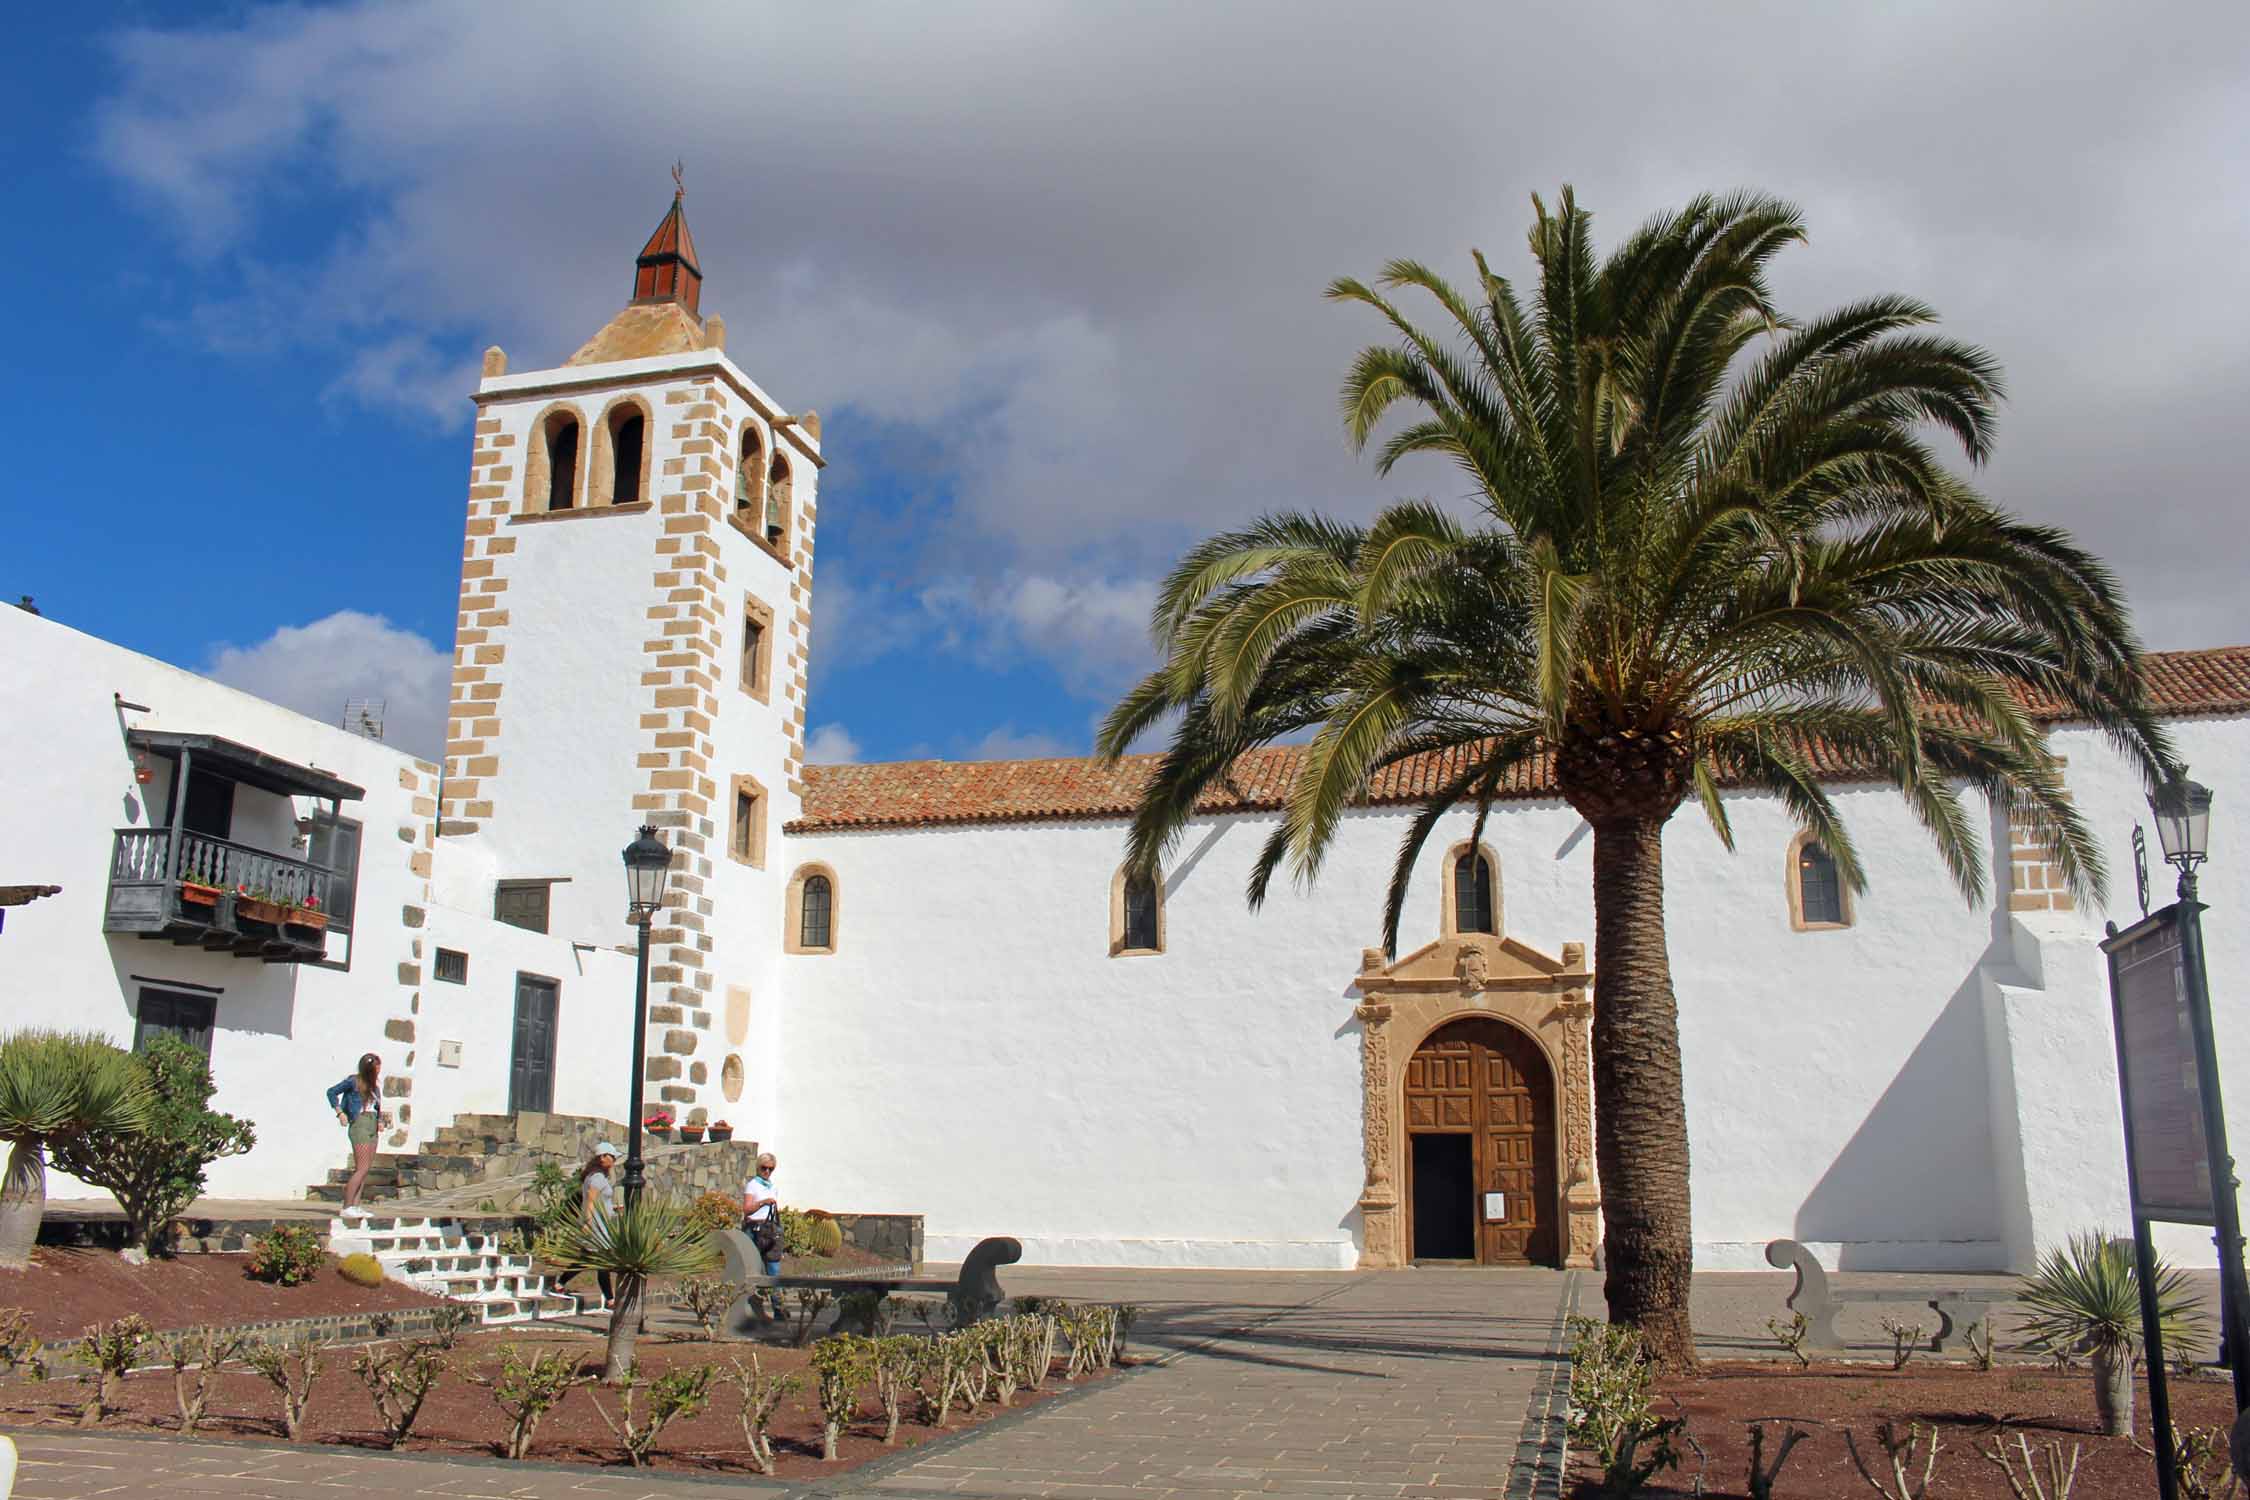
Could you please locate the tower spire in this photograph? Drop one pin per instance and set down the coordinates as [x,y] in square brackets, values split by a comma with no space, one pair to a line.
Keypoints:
[666,270]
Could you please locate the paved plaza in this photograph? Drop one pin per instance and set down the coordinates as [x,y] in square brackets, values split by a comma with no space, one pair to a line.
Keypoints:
[1436,1383]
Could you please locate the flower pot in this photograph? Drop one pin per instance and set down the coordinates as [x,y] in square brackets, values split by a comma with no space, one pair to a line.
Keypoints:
[660,1134]
[311,921]
[691,1135]
[722,1132]
[198,895]
[251,909]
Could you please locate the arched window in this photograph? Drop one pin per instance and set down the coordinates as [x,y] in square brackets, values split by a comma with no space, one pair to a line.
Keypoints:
[1818,887]
[628,434]
[750,474]
[1136,913]
[810,922]
[812,913]
[777,500]
[562,461]
[1472,893]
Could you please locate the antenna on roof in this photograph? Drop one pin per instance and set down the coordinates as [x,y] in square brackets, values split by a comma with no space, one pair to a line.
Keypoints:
[364,717]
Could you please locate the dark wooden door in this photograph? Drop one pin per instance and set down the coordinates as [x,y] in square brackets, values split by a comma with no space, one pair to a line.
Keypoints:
[1488,1081]
[531,1069]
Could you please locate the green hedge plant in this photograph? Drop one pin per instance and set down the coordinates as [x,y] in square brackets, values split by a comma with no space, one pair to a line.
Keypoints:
[155,1172]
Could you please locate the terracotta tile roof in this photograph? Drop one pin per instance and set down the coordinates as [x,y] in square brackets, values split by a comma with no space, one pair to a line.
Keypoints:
[935,793]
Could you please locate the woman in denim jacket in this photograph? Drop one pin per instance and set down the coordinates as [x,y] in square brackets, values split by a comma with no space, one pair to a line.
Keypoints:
[358,1102]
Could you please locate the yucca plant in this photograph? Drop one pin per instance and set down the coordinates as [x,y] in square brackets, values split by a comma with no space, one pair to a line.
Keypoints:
[57,1086]
[655,1237]
[2085,1298]
[1703,545]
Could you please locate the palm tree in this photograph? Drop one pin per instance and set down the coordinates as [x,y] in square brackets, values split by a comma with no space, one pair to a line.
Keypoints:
[651,1238]
[1712,548]
[55,1087]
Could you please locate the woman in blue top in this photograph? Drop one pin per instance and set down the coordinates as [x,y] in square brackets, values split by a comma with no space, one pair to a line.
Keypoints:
[358,1102]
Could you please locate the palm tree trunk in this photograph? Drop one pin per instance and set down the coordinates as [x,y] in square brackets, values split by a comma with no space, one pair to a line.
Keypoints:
[23,1203]
[2113,1391]
[624,1323]
[1640,1137]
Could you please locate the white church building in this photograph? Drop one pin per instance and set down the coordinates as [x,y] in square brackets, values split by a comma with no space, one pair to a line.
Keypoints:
[927,987]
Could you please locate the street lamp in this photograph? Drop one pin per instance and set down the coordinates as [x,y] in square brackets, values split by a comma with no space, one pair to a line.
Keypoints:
[648,864]
[2183,825]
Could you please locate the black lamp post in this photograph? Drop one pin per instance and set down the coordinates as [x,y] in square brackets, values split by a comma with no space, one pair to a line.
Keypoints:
[648,864]
[2183,826]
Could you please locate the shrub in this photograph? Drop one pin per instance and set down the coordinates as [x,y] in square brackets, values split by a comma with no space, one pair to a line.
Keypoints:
[762,1395]
[527,1388]
[286,1254]
[400,1380]
[291,1368]
[2023,1467]
[555,1195]
[707,1300]
[361,1269]
[714,1211]
[1792,1336]
[1762,1474]
[897,1364]
[955,1364]
[812,1301]
[109,1350]
[796,1232]
[203,1353]
[1899,1449]
[54,1085]
[675,1393]
[155,1172]
[447,1322]
[841,1366]
[20,1348]
[2086,1295]
[1611,1377]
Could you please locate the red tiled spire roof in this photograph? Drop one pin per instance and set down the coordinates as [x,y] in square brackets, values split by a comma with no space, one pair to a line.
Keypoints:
[667,270]
[935,793]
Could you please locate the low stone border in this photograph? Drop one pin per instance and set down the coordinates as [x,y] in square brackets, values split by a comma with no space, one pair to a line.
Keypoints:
[1543,1451]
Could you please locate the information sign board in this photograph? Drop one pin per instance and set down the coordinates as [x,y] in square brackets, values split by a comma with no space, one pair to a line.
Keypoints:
[2171,1168]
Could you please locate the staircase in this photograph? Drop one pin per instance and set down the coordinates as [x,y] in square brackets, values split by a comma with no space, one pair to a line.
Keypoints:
[471,1150]
[441,1257]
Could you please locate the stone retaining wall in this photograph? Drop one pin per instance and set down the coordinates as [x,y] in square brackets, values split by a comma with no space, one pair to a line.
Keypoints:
[893,1236]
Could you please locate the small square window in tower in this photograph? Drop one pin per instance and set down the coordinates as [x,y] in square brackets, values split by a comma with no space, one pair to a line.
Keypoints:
[1820,893]
[757,649]
[746,831]
[1472,893]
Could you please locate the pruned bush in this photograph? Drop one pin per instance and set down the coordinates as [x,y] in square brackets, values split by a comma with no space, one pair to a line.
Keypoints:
[2046,1475]
[446,1323]
[20,1348]
[1792,1336]
[203,1353]
[842,1366]
[674,1394]
[109,1351]
[956,1370]
[361,1269]
[707,1299]
[290,1368]
[897,1363]
[1611,1415]
[762,1395]
[1092,1331]
[1031,1345]
[156,1171]
[1905,1339]
[714,1211]
[286,1254]
[527,1388]
[865,1310]
[1901,1482]
[1763,1474]
[811,1302]
[399,1379]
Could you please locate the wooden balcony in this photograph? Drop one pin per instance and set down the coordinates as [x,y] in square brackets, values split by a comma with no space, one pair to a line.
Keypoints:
[151,895]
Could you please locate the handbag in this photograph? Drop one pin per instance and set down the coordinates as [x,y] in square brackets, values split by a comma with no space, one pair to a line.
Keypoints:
[765,1233]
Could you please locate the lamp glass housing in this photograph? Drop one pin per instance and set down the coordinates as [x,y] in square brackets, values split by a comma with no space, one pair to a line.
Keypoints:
[2183,821]
[648,866]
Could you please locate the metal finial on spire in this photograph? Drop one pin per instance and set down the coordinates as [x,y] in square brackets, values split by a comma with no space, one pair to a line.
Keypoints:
[679,180]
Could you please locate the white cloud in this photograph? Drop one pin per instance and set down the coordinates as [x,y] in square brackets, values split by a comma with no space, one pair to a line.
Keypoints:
[1085,263]
[316,668]
[831,745]
[1007,743]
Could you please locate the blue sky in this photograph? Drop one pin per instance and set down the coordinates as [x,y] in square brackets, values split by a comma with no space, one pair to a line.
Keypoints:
[1051,278]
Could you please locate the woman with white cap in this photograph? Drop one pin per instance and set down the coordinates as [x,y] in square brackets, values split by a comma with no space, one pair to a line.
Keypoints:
[597,1200]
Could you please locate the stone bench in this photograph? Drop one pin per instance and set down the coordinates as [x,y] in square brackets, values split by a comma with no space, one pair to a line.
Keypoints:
[974,1292]
[1957,1309]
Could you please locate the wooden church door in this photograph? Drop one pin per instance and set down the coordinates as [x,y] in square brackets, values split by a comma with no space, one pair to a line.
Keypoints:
[1481,1089]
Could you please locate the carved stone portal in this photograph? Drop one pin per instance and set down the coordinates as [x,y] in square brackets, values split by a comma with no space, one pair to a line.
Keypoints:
[1475,975]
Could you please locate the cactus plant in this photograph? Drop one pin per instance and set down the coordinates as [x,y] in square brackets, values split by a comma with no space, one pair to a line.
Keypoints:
[361,1269]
